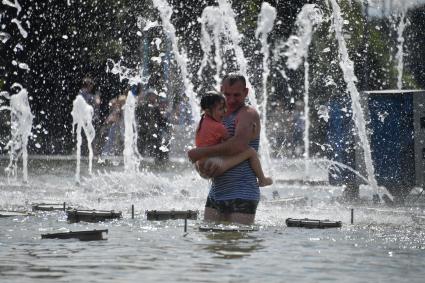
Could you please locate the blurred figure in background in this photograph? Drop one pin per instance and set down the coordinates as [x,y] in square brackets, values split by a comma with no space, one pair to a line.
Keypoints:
[91,95]
[89,91]
[152,126]
[113,127]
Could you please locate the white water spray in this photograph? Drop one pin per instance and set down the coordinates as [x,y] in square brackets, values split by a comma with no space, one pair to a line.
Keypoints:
[82,116]
[4,37]
[264,27]
[21,29]
[134,76]
[233,39]
[21,123]
[165,12]
[224,25]
[131,154]
[15,5]
[228,17]
[212,30]
[347,67]
[399,56]
[309,18]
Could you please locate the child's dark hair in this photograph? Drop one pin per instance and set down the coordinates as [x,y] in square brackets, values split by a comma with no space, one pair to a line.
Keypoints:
[210,99]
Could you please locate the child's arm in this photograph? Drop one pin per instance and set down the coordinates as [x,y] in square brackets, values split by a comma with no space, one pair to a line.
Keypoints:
[226,135]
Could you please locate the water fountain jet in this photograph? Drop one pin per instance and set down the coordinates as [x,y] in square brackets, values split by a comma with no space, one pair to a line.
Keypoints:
[308,20]
[82,116]
[21,123]
[131,154]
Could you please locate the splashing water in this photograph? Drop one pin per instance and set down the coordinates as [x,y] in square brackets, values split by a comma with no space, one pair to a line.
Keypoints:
[6,95]
[264,27]
[296,50]
[228,22]
[387,8]
[82,116]
[134,77]
[18,23]
[399,55]
[228,17]
[4,37]
[211,22]
[221,21]
[180,56]
[347,67]
[309,18]
[21,123]
[15,5]
[131,154]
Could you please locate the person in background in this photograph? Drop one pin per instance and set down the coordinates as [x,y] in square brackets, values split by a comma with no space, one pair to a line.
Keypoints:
[91,95]
[114,127]
[152,126]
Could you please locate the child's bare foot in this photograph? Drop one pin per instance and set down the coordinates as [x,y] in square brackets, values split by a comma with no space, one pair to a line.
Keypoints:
[266,181]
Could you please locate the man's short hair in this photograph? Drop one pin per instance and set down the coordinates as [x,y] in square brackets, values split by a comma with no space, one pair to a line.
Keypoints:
[233,78]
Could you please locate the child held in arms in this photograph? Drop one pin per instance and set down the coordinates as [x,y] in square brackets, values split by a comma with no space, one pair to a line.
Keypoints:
[211,131]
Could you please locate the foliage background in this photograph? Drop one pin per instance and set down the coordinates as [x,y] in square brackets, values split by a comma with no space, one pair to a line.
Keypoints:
[67,42]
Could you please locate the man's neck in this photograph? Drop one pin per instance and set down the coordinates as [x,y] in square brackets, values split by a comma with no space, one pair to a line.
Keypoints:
[235,110]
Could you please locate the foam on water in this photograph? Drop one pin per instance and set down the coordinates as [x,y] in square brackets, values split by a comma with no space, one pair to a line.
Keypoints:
[146,190]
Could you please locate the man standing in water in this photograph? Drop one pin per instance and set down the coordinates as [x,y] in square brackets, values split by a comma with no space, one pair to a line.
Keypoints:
[234,195]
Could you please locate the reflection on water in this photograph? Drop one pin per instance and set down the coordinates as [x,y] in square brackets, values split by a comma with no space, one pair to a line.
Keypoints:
[382,245]
[233,245]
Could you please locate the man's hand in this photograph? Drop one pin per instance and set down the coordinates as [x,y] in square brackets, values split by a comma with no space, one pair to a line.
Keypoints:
[209,169]
[194,154]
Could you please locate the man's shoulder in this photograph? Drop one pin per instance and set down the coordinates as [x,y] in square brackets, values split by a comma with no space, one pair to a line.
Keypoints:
[248,112]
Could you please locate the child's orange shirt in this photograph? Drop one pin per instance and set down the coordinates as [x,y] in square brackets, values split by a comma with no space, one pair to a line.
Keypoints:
[210,133]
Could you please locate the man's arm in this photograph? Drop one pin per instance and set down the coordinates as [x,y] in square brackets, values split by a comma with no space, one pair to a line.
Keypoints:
[239,142]
[231,146]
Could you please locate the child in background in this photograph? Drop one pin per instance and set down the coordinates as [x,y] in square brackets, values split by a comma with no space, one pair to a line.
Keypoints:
[211,131]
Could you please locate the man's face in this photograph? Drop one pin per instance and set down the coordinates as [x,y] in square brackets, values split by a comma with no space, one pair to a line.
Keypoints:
[235,95]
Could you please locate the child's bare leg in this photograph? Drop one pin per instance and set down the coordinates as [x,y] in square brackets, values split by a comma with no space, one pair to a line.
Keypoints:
[199,164]
[255,163]
[228,162]
[251,154]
